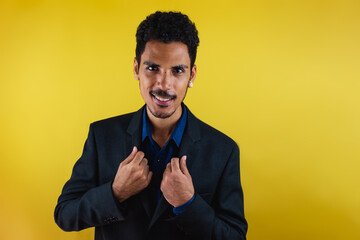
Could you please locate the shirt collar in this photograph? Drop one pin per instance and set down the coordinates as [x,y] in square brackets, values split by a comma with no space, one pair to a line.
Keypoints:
[177,133]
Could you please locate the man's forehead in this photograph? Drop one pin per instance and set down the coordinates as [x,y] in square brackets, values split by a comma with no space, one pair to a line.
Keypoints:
[174,53]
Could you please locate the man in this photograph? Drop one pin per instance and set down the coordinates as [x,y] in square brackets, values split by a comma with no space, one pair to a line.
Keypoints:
[158,173]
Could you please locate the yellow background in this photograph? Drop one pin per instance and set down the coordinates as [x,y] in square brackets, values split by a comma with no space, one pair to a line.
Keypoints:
[282,78]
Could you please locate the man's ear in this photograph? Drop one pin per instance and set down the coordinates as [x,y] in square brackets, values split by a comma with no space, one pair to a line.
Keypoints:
[193,74]
[136,69]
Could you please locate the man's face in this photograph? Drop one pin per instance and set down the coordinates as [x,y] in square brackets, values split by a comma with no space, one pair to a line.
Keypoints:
[164,76]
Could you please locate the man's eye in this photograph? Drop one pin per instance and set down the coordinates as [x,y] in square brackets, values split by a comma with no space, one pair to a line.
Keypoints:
[152,68]
[178,70]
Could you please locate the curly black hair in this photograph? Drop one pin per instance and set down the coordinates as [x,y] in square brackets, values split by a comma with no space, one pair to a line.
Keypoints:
[167,27]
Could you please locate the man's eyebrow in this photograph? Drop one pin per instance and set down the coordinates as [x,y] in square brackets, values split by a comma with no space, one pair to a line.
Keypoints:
[151,64]
[181,66]
[157,65]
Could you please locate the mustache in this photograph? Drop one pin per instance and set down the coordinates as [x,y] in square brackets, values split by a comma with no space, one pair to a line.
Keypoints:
[162,93]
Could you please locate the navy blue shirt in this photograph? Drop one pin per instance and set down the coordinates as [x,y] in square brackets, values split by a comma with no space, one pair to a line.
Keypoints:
[159,157]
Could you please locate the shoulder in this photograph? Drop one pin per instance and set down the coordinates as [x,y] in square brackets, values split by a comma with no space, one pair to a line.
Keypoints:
[117,123]
[209,135]
[120,120]
[213,133]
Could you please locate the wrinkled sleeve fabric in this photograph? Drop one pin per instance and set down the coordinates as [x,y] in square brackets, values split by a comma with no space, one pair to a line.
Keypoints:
[83,202]
[225,219]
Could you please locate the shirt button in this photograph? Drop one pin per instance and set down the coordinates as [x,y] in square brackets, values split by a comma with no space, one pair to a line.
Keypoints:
[158,160]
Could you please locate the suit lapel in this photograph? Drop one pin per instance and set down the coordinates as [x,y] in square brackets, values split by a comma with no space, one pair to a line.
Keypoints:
[134,130]
[189,143]
[189,148]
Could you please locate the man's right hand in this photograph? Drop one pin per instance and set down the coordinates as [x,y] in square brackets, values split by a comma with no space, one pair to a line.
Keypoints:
[133,175]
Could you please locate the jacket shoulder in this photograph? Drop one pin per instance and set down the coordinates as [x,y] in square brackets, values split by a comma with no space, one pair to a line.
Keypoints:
[112,123]
[213,135]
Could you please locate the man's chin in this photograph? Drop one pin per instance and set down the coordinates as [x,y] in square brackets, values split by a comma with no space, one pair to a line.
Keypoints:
[161,114]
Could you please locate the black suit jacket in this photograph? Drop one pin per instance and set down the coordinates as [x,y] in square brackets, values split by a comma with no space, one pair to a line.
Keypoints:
[212,159]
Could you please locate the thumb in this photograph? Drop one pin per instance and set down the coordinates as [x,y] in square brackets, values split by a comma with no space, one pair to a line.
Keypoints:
[183,166]
[131,156]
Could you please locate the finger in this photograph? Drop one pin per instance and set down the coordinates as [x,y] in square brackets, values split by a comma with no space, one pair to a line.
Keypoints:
[138,157]
[146,170]
[166,171]
[183,166]
[168,167]
[131,156]
[175,164]
[144,162]
[149,176]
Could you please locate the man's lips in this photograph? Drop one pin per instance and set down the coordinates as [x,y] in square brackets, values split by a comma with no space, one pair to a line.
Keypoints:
[163,98]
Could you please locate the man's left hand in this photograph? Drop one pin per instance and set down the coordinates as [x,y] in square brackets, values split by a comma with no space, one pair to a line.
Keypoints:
[176,185]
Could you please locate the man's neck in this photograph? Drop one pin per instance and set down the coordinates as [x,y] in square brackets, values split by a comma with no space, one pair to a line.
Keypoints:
[162,128]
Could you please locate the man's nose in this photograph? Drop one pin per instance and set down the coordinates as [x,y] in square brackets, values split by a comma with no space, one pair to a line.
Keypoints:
[164,80]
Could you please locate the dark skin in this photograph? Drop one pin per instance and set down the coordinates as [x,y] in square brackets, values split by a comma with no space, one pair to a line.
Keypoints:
[164,68]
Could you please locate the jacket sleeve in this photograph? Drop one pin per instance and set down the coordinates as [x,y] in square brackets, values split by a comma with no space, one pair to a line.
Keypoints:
[225,218]
[83,202]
